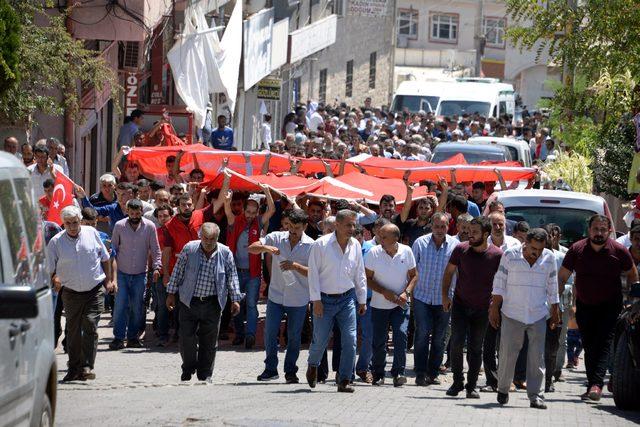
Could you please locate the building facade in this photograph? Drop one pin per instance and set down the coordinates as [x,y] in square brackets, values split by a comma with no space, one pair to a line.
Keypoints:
[459,34]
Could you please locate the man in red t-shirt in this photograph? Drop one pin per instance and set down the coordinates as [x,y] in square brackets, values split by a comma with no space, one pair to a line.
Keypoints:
[475,262]
[598,262]
[162,214]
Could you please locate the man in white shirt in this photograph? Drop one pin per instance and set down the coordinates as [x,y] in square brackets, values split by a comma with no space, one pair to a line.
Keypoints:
[315,118]
[265,132]
[42,169]
[391,274]
[525,289]
[498,235]
[80,262]
[336,280]
[500,239]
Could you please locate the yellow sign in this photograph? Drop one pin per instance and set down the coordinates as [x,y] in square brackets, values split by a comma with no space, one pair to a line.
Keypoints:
[269,89]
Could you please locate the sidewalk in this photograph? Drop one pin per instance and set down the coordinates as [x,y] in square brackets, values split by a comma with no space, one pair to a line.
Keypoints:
[142,387]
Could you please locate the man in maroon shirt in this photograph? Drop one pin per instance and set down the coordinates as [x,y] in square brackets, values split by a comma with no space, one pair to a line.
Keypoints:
[476,262]
[598,262]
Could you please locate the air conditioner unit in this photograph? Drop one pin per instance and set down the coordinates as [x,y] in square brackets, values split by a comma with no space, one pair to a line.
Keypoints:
[403,41]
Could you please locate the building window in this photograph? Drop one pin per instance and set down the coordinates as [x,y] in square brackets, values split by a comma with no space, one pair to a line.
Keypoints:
[322,89]
[408,23]
[297,87]
[493,30]
[372,70]
[348,92]
[444,28]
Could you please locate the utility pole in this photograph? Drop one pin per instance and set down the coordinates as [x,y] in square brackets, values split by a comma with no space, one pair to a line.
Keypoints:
[479,38]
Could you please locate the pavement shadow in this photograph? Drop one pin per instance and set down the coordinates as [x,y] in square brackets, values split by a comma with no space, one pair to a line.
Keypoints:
[627,415]
[484,405]
[297,391]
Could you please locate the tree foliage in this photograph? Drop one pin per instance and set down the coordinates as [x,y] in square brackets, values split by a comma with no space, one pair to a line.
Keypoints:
[51,65]
[9,44]
[598,44]
[612,159]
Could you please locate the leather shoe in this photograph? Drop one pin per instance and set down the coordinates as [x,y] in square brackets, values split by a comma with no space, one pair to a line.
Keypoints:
[503,398]
[433,381]
[473,394]
[538,404]
[291,378]
[399,381]
[455,389]
[186,376]
[421,381]
[312,376]
[73,376]
[550,388]
[344,387]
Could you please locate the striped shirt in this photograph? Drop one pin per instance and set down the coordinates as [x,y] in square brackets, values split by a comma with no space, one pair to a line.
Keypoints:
[527,291]
[431,263]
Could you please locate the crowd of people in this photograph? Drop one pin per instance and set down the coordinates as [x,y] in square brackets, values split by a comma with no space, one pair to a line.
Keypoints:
[442,275]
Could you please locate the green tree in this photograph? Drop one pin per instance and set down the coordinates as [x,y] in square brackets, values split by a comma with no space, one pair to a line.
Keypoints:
[9,45]
[594,39]
[597,44]
[50,63]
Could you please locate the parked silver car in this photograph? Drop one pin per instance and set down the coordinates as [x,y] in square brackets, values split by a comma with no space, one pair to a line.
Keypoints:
[28,374]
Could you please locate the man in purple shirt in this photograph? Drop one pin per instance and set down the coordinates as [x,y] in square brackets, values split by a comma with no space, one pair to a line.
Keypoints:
[134,241]
[475,262]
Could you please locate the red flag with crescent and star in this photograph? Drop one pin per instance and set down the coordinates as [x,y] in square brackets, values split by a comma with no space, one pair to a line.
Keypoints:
[62,197]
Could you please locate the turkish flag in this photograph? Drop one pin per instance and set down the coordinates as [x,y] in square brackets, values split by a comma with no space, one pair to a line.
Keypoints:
[62,197]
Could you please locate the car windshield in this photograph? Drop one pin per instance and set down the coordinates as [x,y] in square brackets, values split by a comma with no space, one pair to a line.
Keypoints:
[450,108]
[470,156]
[414,103]
[572,222]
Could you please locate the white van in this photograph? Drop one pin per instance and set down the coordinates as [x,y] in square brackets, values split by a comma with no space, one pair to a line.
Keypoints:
[485,96]
[28,374]
[569,209]
[414,95]
[519,149]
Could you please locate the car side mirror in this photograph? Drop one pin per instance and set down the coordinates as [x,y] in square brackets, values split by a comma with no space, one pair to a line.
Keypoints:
[18,302]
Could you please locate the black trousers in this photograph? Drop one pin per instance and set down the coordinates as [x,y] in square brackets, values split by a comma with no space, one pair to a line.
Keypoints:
[470,325]
[83,311]
[597,328]
[199,327]
[551,345]
[57,319]
[490,346]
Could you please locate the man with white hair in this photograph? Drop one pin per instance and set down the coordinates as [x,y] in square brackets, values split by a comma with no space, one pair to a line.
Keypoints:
[79,261]
[203,276]
[336,280]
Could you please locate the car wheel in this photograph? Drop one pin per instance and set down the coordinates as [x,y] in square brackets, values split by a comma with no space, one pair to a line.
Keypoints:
[46,415]
[626,378]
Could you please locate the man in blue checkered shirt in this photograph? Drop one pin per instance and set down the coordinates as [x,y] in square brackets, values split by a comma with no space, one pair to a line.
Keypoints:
[203,276]
[432,254]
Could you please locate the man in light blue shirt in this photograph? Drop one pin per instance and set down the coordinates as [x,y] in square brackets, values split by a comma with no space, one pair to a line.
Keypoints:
[432,253]
[130,128]
[288,292]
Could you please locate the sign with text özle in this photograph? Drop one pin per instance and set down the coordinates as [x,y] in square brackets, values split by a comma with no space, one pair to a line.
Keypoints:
[131,88]
[269,89]
[371,8]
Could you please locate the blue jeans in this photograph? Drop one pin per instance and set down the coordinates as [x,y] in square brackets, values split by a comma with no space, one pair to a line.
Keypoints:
[431,327]
[295,321]
[249,312]
[161,310]
[341,310]
[399,320]
[366,339]
[129,307]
